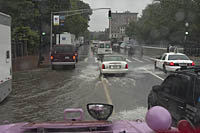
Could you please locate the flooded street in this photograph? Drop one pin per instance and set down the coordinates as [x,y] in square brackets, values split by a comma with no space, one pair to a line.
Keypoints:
[43,94]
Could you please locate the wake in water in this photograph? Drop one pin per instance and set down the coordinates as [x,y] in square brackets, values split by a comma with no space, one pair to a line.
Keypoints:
[138,113]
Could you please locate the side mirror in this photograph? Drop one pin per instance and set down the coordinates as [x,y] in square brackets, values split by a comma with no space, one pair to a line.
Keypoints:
[100,111]
[156,88]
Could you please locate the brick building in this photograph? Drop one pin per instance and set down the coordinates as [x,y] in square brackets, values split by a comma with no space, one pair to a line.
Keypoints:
[119,22]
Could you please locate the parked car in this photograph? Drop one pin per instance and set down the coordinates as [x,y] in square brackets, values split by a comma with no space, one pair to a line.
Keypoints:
[113,64]
[173,61]
[179,93]
[104,48]
[116,47]
[64,55]
[123,45]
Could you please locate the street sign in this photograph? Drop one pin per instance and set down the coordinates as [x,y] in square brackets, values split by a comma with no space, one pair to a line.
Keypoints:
[62,17]
[56,20]
[62,20]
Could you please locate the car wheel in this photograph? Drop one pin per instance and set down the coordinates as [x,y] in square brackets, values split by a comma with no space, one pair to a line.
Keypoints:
[164,69]
[150,105]
[155,65]
[151,101]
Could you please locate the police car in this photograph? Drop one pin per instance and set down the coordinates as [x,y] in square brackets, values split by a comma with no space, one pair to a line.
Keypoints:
[173,61]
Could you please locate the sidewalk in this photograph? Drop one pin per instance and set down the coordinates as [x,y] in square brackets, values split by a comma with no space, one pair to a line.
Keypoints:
[29,63]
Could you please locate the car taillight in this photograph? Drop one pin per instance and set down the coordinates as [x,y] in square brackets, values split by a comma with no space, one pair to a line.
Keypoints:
[171,63]
[103,66]
[126,66]
[74,57]
[193,64]
[52,57]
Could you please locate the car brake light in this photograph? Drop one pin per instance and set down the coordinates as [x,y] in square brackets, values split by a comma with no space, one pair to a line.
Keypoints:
[193,64]
[103,66]
[126,66]
[171,63]
[74,57]
[51,57]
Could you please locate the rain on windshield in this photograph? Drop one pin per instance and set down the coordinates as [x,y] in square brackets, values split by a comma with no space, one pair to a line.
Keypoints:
[40,83]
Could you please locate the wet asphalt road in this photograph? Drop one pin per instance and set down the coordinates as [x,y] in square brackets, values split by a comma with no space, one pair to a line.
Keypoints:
[43,94]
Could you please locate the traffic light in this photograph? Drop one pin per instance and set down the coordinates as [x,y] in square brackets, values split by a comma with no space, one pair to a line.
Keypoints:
[109,14]
[43,33]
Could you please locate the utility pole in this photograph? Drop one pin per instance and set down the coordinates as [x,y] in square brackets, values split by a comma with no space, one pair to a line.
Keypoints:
[110,26]
[186,33]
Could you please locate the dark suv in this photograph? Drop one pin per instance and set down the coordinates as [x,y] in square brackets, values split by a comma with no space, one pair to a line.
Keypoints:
[180,95]
[64,55]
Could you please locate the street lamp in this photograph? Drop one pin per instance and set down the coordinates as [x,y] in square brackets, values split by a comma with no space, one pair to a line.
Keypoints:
[186,34]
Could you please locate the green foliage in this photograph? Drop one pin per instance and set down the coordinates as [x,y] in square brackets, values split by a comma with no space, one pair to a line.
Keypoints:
[22,34]
[164,21]
[31,13]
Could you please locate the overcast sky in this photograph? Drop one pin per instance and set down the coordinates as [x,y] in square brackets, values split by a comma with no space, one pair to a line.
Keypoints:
[99,19]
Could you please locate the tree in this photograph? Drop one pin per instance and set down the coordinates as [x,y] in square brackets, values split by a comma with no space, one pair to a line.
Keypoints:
[28,13]
[164,21]
[22,34]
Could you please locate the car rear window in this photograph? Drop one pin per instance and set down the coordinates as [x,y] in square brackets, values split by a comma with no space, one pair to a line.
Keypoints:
[178,57]
[113,58]
[64,49]
[107,45]
[101,45]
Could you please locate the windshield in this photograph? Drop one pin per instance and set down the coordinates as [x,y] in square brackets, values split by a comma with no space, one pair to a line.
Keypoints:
[107,45]
[113,58]
[113,47]
[178,57]
[101,45]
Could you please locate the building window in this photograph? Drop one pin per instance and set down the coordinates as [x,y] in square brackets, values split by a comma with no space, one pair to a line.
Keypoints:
[8,54]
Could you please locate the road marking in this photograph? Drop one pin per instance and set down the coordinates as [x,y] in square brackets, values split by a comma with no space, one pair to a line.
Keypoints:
[109,100]
[151,58]
[128,60]
[137,60]
[86,59]
[153,74]
[146,59]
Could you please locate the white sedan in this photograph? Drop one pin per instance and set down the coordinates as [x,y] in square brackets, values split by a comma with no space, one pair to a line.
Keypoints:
[173,61]
[113,64]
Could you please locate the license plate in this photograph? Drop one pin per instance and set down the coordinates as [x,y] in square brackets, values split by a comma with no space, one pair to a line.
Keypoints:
[66,57]
[115,67]
[183,64]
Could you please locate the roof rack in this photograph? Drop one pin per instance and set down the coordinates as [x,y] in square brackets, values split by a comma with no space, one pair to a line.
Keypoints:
[195,69]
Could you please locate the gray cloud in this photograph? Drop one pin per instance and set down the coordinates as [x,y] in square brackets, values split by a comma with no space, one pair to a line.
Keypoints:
[99,19]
